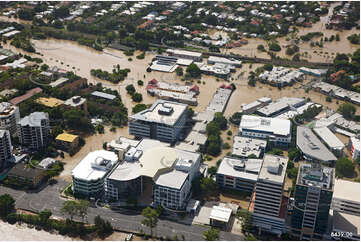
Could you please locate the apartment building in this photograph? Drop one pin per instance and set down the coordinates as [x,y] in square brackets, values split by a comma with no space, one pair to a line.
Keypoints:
[313,196]
[9,116]
[34,130]
[268,204]
[164,121]
[5,148]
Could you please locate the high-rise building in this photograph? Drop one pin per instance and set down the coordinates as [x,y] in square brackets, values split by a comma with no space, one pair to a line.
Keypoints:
[164,121]
[313,196]
[34,130]
[9,116]
[268,204]
[5,148]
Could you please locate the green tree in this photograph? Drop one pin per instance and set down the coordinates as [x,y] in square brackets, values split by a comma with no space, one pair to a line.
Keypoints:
[137,97]
[212,170]
[130,89]
[261,48]
[220,120]
[193,70]
[274,47]
[150,219]
[208,186]
[140,83]
[179,71]
[246,220]
[347,110]
[82,208]
[268,67]
[7,205]
[139,107]
[211,235]
[70,208]
[44,216]
[102,227]
[345,168]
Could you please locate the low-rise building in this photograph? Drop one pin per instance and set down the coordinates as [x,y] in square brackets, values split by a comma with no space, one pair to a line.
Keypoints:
[276,130]
[280,106]
[220,217]
[47,163]
[243,147]
[215,59]
[50,102]
[89,175]
[77,102]
[196,56]
[21,174]
[311,147]
[238,174]
[220,100]
[330,140]
[67,141]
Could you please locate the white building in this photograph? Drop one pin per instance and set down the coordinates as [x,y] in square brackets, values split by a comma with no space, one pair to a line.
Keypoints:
[354,147]
[163,121]
[9,116]
[215,59]
[238,174]
[277,130]
[267,204]
[243,147]
[34,130]
[331,140]
[88,176]
[196,56]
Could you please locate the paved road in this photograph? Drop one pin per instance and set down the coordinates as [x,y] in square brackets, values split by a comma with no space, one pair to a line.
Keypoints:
[124,220]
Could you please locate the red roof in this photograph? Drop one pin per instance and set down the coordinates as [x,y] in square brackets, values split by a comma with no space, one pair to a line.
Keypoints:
[223,86]
[195,88]
[145,24]
[26,96]
[334,76]
[229,87]
[254,22]
[195,32]
[150,87]
[277,16]
[153,81]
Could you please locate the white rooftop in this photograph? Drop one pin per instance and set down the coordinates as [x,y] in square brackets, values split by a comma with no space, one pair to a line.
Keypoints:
[221,214]
[329,138]
[346,190]
[245,169]
[269,125]
[273,169]
[86,171]
[173,112]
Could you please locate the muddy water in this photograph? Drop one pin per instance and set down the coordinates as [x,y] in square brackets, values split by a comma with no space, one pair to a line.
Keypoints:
[325,54]
[81,59]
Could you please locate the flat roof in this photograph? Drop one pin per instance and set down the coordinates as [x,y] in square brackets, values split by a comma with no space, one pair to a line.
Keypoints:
[274,168]
[66,137]
[152,114]
[346,222]
[280,104]
[34,119]
[271,125]
[244,146]
[173,179]
[311,146]
[58,82]
[75,101]
[184,52]
[126,171]
[221,214]
[103,95]
[346,190]
[50,102]
[329,138]
[84,169]
[196,138]
[248,168]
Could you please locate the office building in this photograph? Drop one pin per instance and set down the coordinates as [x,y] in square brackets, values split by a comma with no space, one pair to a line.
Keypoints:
[215,59]
[268,204]
[164,121]
[280,106]
[5,148]
[244,147]
[276,130]
[34,130]
[238,174]
[313,196]
[167,176]
[345,213]
[88,176]
[9,116]
[311,147]
[331,140]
